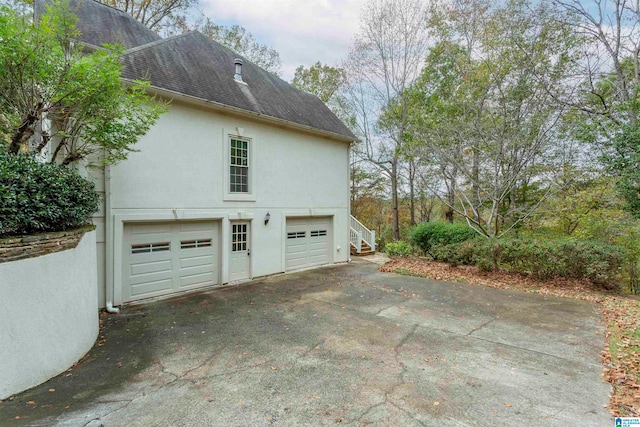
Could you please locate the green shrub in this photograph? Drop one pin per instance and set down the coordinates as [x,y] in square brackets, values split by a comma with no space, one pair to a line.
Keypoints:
[399,248]
[464,253]
[427,235]
[542,259]
[37,197]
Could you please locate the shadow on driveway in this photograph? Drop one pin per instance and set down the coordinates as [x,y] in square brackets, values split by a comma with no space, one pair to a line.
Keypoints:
[338,345]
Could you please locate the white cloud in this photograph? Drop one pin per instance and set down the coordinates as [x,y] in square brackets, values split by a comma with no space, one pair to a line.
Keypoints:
[303,32]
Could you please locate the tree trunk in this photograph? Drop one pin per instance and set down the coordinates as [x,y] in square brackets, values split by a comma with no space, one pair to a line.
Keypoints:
[412,204]
[451,197]
[394,199]
[475,172]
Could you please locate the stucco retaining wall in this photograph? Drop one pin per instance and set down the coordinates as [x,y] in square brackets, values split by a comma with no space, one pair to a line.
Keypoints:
[48,314]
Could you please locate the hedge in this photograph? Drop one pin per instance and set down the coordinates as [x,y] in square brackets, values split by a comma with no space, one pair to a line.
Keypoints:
[427,235]
[39,197]
[539,258]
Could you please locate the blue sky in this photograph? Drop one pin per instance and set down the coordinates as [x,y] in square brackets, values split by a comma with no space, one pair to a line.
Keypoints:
[302,31]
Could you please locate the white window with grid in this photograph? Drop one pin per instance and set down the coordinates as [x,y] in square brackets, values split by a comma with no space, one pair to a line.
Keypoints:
[239,237]
[238,165]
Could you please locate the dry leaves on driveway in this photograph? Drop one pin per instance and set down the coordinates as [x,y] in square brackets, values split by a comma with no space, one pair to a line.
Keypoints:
[621,356]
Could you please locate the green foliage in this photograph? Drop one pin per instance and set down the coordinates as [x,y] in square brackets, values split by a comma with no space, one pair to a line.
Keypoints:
[398,249]
[37,197]
[629,241]
[321,80]
[585,207]
[542,259]
[327,83]
[162,16]
[429,234]
[456,254]
[239,40]
[623,160]
[47,79]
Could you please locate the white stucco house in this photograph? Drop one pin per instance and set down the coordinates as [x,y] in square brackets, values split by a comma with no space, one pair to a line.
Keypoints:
[244,176]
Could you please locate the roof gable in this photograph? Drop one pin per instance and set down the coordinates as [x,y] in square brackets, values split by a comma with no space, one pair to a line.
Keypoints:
[196,66]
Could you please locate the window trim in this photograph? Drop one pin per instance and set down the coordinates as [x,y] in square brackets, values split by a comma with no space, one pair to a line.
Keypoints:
[228,195]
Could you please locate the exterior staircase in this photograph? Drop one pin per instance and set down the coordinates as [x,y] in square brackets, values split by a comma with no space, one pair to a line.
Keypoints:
[362,240]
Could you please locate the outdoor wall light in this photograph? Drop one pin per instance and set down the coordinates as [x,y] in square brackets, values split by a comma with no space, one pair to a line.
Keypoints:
[267,217]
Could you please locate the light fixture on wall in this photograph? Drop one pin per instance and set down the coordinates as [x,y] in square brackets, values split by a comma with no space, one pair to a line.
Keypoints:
[267,217]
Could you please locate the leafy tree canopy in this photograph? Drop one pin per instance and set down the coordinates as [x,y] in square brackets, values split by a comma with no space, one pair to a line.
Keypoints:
[241,41]
[58,99]
[162,16]
[323,81]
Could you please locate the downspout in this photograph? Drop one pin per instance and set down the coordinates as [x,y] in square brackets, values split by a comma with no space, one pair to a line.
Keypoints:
[349,201]
[109,242]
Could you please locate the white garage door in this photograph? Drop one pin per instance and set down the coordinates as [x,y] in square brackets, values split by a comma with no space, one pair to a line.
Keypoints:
[163,258]
[308,242]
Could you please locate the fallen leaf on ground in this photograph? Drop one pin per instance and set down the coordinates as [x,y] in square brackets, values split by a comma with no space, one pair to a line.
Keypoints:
[621,314]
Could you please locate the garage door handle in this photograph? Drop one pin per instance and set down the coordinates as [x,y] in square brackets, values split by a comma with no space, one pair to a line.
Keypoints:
[249,252]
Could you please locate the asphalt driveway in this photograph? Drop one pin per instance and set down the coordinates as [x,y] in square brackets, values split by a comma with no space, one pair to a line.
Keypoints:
[340,345]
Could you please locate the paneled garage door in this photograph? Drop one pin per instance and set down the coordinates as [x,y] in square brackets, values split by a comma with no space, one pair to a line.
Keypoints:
[163,258]
[308,242]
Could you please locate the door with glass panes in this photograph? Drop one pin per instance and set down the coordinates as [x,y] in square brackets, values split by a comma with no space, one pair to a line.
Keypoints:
[240,259]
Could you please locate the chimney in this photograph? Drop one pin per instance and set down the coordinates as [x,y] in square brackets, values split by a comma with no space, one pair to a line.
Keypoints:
[238,75]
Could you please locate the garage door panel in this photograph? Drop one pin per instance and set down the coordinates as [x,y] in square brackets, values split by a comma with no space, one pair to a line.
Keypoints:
[136,279]
[150,267]
[308,242]
[162,258]
[196,280]
[196,261]
[196,269]
[143,231]
[151,287]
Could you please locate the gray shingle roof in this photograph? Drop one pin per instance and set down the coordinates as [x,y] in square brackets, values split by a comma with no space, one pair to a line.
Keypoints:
[101,24]
[194,65]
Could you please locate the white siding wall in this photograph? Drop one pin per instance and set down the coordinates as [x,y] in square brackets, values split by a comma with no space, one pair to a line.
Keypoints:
[183,156]
[179,173]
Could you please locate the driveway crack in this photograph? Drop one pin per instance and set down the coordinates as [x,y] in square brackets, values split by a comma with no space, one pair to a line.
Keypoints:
[480,327]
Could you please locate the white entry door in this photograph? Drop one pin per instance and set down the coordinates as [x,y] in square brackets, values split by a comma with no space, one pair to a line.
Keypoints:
[239,261]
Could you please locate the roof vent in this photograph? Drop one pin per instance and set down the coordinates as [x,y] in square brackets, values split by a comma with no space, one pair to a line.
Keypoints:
[238,75]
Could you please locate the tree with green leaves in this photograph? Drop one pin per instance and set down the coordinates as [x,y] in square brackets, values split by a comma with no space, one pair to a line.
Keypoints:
[241,41]
[483,108]
[607,100]
[327,83]
[623,160]
[162,16]
[387,57]
[56,97]
[323,81]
